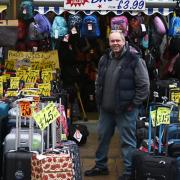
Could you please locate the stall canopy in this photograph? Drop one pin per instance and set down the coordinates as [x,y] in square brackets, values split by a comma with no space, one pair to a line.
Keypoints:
[164,7]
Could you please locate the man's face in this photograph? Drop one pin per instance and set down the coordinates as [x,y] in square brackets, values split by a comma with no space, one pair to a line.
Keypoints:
[116,42]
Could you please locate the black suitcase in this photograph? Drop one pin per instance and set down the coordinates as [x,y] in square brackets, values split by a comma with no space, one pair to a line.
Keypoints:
[154,167]
[17,163]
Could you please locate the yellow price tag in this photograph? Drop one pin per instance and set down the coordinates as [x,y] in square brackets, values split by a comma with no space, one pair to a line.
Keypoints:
[46,116]
[9,64]
[11,93]
[1,88]
[14,82]
[32,76]
[162,116]
[7,76]
[175,96]
[29,85]
[1,79]
[47,76]
[45,89]
[35,65]
[21,74]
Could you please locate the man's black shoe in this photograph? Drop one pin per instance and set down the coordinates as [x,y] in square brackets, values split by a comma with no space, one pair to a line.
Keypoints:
[95,171]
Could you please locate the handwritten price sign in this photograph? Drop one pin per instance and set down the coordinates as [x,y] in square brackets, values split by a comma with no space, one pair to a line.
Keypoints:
[14,82]
[47,76]
[175,96]
[46,116]
[45,89]
[25,109]
[162,116]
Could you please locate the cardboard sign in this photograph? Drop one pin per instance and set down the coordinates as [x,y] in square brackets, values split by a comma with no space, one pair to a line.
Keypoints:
[49,58]
[175,96]
[25,109]
[14,82]
[162,117]
[45,89]
[47,76]
[46,116]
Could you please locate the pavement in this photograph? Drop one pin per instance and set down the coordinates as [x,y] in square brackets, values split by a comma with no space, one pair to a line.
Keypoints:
[87,154]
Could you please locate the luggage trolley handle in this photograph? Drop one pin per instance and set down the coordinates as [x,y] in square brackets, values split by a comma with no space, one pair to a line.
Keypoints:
[18,130]
[53,129]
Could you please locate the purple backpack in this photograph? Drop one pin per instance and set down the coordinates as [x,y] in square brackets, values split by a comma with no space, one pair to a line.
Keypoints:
[120,23]
[42,24]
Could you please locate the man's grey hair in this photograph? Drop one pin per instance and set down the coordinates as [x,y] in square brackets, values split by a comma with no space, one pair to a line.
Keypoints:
[120,32]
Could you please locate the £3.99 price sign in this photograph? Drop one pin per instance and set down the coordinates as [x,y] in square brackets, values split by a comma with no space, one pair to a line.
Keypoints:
[46,116]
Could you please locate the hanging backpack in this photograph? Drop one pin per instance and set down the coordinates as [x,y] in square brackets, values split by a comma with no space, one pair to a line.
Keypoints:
[174,26]
[26,9]
[33,33]
[137,29]
[90,27]
[120,23]
[74,23]
[157,30]
[42,24]
[59,27]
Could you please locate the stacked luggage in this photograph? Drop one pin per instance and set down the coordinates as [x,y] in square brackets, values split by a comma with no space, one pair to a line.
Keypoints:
[158,155]
[32,152]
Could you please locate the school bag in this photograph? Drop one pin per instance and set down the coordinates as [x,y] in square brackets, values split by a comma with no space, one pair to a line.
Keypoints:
[157,30]
[90,27]
[120,23]
[59,27]
[137,29]
[174,26]
[42,24]
[26,9]
[74,23]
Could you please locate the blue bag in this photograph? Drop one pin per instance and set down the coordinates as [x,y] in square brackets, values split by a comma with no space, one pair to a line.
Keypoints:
[59,27]
[26,9]
[174,27]
[90,27]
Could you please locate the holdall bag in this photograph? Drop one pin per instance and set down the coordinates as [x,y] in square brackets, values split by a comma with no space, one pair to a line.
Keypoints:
[8,32]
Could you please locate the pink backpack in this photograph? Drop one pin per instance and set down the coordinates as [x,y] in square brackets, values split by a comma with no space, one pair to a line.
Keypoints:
[159,25]
[120,23]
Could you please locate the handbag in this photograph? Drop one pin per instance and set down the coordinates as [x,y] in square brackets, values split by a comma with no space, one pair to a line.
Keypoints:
[8,32]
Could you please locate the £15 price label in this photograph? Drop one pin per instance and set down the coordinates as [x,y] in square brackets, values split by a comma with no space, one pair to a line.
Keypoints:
[25,109]
[46,116]
[160,116]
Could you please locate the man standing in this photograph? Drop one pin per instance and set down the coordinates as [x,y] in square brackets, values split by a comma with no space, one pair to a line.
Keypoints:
[121,87]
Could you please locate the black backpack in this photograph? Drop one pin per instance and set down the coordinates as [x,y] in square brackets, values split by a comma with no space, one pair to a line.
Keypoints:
[78,133]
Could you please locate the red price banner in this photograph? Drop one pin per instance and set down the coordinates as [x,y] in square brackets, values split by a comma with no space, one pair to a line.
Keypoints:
[25,109]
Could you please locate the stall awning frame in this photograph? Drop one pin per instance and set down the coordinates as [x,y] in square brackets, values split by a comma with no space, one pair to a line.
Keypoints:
[164,7]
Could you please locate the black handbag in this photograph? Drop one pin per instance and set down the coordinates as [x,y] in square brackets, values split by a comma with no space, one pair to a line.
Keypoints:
[8,32]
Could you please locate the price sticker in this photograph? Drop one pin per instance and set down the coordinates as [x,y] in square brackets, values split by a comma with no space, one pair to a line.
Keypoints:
[11,93]
[162,116]
[47,76]
[21,74]
[48,65]
[1,79]
[77,135]
[46,116]
[14,82]
[25,109]
[35,65]
[9,64]
[90,27]
[175,96]
[1,88]
[29,85]
[74,30]
[45,89]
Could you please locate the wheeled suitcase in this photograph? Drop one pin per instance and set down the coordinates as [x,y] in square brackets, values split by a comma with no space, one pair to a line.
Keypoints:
[17,163]
[151,165]
[44,167]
